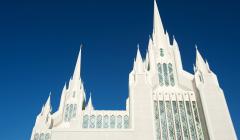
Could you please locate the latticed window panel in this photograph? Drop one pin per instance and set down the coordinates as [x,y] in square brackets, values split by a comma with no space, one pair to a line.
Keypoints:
[85,121]
[191,121]
[112,121]
[197,120]
[161,52]
[74,110]
[105,121]
[99,121]
[163,120]
[165,72]
[177,120]
[70,112]
[92,121]
[184,120]
[66,113]
[170,120]
[171,76]
[47,136]
[119,121]
[126,121]
[160,74]
[41,136]
[157,121]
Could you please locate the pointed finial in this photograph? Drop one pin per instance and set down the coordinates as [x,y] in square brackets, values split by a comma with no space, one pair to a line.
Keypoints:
[77,70]
[158,26]
[90,105]
[200,63]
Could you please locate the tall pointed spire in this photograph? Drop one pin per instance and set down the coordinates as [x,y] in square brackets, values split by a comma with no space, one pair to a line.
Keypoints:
[139,62]
[157,24]
[77,70]
[47,106]
[200,63]
[90,105]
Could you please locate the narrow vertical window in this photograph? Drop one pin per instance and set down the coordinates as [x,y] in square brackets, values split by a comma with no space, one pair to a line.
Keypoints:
[197,120]
[126,121]
[105,121]
[165,71]
[170,120]
[161,52]
[157,121]
[163,120]
[119,121]
[177,120]
[184,120]
[160,74]
[70,112]
[85,121]
[190,121]
[112,121]
[99,121]
[66,113]
[74,110]
[92,121]
[171,76]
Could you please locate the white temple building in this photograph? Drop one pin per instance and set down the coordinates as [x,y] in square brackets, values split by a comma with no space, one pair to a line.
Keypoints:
[165,102]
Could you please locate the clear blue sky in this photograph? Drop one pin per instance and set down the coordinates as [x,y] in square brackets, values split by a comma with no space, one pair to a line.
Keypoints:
[39,43]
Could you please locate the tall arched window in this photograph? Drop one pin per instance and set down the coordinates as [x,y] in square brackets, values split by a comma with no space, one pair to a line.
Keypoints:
[119,121]
[160,75]
[92,121]
[66,113]
[161,52]
[85,121]
[47,136]
[126,121]
[74,110]
[41,136]
[165,71]
[171,76]
[105,121]
[70,112]
[112,121]
[99,121]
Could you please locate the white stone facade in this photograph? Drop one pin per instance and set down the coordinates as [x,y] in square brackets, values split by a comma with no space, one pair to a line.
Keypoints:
[165,102]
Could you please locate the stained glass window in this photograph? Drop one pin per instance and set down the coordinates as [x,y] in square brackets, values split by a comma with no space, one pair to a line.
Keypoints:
[160,76]
[126,121]
[177,120]
[165,71]
[36,136]
[99,121]
[119,121]
[157,122]
[85,121]
[163,120]
[92,121]
[197,120]
[184,120]
[105,121]
[170,120]
[112,121]
[171,76]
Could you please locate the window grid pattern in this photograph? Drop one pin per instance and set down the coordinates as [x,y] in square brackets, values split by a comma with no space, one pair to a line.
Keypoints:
[191,122]
[170,120]
[157,121]
[42,136]
[165,71]
[184,120]
[161,52]
[197,120]
[99,121]
[126,121]
[177,120]
[171,76]
[70,112]
[106,121]
[163,120]
[160,75]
